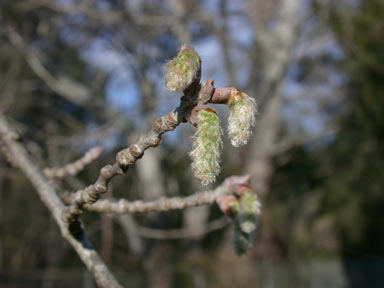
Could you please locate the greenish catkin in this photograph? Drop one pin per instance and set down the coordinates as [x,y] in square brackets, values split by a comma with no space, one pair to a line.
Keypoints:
[241,241]
[248,211]
[241,118]
[182,70]
[207,145]
[246,221]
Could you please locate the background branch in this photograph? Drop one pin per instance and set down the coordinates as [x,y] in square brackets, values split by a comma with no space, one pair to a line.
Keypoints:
[188,232]
[74,167]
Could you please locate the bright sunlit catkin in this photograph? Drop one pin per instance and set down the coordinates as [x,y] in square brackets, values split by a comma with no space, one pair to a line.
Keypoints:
[182,70]
[206,147]
[241,119]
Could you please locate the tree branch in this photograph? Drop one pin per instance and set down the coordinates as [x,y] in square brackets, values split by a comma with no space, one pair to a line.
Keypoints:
[195,96]
[49,197]
[124,206]
[68,89]
[76,166]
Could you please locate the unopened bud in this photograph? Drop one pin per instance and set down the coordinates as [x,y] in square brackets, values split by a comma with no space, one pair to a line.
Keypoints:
[228,204]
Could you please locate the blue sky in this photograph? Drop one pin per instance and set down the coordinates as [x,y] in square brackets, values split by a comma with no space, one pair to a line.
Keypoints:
[123,93]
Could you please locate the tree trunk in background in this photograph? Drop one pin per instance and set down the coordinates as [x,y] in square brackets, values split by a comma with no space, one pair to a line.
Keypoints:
[276,48]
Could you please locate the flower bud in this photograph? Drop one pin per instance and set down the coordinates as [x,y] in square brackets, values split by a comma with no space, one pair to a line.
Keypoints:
[206,146]
[228,204]
[182,70]
[241,118]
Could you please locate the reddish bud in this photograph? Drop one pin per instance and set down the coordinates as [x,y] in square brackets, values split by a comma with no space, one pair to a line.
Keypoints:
[228,204]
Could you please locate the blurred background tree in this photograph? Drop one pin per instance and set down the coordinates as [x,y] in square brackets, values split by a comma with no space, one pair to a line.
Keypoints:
[75,74]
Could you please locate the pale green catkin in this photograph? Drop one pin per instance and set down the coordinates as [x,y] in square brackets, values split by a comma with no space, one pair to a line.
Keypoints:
[241,241]
[246,221]
[241,118]
[248,212]
[206,147]
[181,70]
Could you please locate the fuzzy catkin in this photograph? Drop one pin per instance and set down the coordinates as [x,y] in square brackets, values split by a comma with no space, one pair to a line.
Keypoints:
[249,211]
[182,70]
[206,147]
[241,241]
[246,219]
[241,118]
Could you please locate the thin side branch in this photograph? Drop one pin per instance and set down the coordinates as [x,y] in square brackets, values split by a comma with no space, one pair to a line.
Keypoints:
[66,88]
[76,166]
[124,206]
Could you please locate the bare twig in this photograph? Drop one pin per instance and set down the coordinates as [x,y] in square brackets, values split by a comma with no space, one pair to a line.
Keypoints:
[124,158]
[195,96]
[49,197]
[64,87]
[124,206]
[76,166]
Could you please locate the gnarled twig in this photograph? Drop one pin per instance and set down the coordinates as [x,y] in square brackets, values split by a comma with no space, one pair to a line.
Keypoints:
[195,96]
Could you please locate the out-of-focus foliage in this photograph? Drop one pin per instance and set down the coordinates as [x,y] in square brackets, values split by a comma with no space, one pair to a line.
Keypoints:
[332,198]
[357,156]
